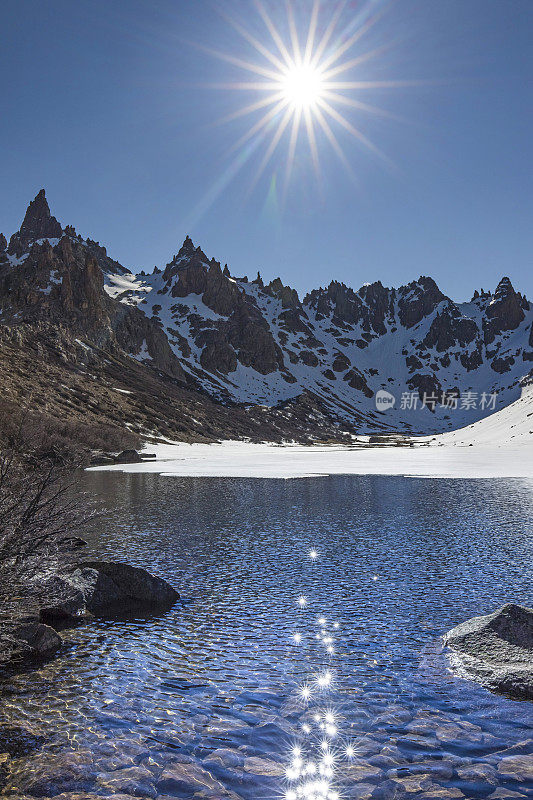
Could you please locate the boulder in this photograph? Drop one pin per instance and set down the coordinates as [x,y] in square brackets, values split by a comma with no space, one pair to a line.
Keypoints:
[60,600]
[109,586]
[39,641]
[128,457]
[496,650]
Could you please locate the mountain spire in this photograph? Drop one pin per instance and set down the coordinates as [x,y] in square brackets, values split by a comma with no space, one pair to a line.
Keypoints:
[38,223]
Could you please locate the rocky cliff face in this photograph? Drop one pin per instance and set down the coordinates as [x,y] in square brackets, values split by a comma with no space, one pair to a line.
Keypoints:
[38,224]
[59,280]
[259,345]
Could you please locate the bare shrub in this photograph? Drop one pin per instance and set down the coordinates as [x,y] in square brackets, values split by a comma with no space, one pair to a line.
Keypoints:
[48,437]
[41,514]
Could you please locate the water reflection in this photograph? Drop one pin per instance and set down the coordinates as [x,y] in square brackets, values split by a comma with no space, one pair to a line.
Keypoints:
[213,697]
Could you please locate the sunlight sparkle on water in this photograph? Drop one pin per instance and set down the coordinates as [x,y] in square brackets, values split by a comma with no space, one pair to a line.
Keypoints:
[324,679]
[311,762]
[305,692]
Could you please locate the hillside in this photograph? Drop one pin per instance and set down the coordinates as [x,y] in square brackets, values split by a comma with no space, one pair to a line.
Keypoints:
[511,426]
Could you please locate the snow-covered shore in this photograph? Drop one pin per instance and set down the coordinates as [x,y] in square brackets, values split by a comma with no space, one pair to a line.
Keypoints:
[499,446]
[243,460]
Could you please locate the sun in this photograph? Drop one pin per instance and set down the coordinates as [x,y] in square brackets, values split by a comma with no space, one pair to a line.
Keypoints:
[303,86]
[303,79]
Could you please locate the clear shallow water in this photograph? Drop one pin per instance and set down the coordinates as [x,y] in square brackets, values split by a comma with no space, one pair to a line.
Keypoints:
[205,701]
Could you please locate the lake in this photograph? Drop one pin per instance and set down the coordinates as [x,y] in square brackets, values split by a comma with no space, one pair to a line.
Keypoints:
[242,691]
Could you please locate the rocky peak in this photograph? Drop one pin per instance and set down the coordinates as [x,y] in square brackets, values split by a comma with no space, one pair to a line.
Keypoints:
[369,306]
[380,302]
[188,256]
[337,300]
[374,293]
[3,255]
[38,223]
[289,297]
[505,312]
[188,250]
[417,300]
[504,289]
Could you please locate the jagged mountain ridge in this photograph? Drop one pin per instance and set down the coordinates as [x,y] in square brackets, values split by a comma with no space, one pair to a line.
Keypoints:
[244,342]
[251,343]
[72,352]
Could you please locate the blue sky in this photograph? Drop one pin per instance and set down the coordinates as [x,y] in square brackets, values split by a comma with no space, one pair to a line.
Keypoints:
[105,104]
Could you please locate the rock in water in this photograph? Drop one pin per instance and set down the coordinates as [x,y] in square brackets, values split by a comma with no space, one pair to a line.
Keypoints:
[40,640]
[496,650]
[109,586]
[59,600]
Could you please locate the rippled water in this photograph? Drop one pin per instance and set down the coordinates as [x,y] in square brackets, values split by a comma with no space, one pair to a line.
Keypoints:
[205,701]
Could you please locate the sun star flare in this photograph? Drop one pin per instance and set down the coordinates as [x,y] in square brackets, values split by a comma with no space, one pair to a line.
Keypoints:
[301,78]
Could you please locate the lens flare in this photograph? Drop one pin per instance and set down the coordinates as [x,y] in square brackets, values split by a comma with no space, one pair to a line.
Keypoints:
[299,79]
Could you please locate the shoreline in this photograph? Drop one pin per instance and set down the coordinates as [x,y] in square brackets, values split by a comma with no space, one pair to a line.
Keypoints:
[231,459]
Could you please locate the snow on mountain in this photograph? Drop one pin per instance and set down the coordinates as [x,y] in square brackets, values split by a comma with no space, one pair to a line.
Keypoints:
[379,359]
[511,426]
[446,364]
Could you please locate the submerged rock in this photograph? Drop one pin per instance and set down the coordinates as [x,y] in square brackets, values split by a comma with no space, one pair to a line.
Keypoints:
[496,650]
[188,778]
[109,586]
[17,741]
[520,768]
[136,781]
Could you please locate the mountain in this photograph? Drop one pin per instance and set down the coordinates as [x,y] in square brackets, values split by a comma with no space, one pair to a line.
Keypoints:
[280,365]
[72,352]
[246,342]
